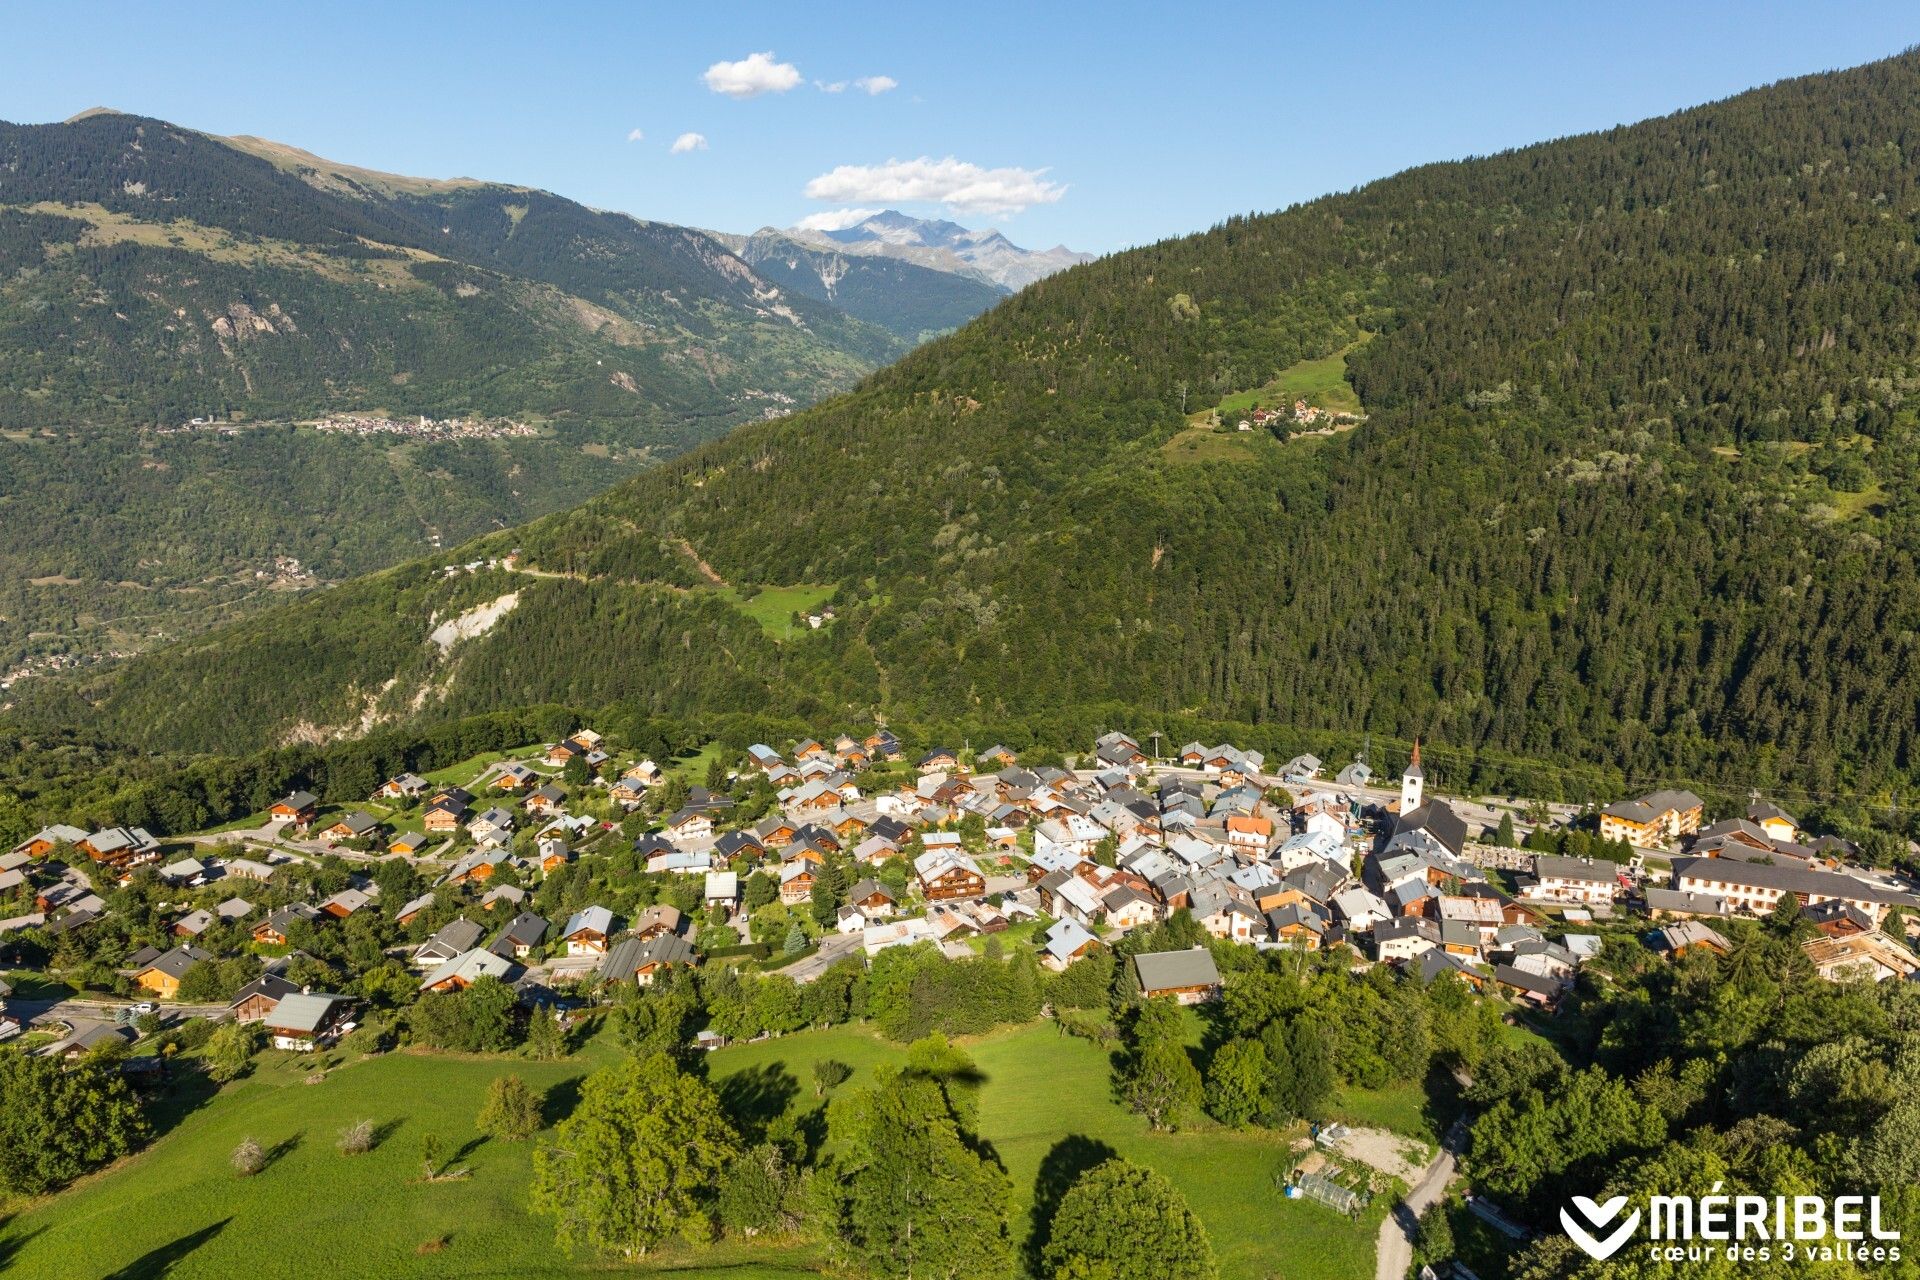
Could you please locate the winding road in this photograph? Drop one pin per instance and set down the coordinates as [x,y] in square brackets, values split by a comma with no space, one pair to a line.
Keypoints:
[1394,1252]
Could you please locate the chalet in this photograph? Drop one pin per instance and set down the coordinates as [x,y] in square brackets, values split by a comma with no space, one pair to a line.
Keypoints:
[1582,880]
[1246,831]
[519,936]
[775,832]
[796,882]
[722,891]
[453,795]
[86,1039]
[276,929]
[553,854]
[407,844]
[1127,908]
[690,824]
[873,898]
[405,786]
[1064,942]
[121,848]
[253,1002]
[47,839]
[1677,939]
[1299,924]
[511,895]
[586,934]
[347,903]
[998,756]
[494,826]
[1404,939]
[544,801]
[298,809]
[1302,768]
[641,960]
[1756,887]
[656,920]
[1190,977]
[514,777]
[808,749]
[1357,774]
[303,1022]
[1225,910]
[765,757]
[355,826]
[162,974]
[462,971]
[476,867]
[938,760]
[1439,961]
[1837,919]
[1774,820]
[1654,820]
[1359,908]
[454,939]
[187,873]
[945,875]
[1529,988]
[193,924]
[1679,904]
[411,910]
[444,817]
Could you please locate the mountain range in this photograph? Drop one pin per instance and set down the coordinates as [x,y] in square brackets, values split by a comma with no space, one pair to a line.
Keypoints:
[1631,480]
[153,278]
[945,246]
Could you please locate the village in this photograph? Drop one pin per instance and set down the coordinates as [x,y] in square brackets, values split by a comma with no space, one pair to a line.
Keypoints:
[866,847]
[423,427]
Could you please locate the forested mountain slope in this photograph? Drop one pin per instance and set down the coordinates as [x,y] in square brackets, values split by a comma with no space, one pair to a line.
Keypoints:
[150,275]
[1636,484]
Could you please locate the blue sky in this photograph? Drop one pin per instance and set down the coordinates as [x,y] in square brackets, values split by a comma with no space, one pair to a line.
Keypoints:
[1099,126]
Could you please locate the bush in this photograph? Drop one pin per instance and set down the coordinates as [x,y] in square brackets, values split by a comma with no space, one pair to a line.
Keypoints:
[248,1159]
[511,1111]
[357,1138]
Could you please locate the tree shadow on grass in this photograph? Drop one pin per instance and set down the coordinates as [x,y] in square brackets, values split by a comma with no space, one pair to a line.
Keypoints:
[560,1100]
[383,1131]
[281,1149]
[1063,1166]
[472,1145]
[755,1099]
[156,1263]
[186,1093]
[12,1245]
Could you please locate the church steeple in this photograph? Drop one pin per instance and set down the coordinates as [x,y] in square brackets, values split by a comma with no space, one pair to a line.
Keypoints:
[1412,782]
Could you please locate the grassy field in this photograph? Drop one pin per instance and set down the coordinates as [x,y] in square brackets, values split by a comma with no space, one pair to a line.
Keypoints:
[773,607]
[1321,382]
[1045,1108]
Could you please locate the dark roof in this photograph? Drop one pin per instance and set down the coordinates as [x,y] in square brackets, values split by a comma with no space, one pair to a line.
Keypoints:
[271,985]
[524,930]
[1437,818]
[1507,975]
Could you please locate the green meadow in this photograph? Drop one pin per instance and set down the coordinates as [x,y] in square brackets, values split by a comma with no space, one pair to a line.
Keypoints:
[177,1209]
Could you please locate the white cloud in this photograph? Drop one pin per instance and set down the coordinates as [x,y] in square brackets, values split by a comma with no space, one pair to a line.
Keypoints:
[634,135]
[688,142]
[753,75]
[961,186]
[835,219]
[876,84]
[837,86]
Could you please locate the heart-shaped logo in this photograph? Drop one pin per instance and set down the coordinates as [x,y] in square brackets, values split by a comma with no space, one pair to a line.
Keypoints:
[1600,1215]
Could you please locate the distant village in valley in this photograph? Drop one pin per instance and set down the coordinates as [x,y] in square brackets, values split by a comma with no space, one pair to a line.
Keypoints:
[572,870]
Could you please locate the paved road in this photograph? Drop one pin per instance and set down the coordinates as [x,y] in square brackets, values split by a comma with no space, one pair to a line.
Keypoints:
[88,1009]
[1394,1252]
[835,946]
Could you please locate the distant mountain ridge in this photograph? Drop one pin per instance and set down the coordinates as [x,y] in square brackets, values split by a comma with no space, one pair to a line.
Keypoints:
[945,246]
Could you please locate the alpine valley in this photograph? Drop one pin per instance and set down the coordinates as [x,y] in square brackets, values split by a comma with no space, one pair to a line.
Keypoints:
[178,311]
[1608,453]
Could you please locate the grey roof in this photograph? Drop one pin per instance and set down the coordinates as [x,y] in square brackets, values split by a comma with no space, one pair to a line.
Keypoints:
[1065,938]
[1167,970]
[1588,870]
[178,962]
[1704,904]
[1436,818]
[300,800]
[270,985]
[454,937]
[593,919]
[469,965]
[625,960]
[303,1012]
[1507,975]
[524,930]
[1798,880]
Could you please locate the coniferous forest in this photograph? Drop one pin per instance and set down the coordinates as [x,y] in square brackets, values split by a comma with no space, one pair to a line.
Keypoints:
[1635,485]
